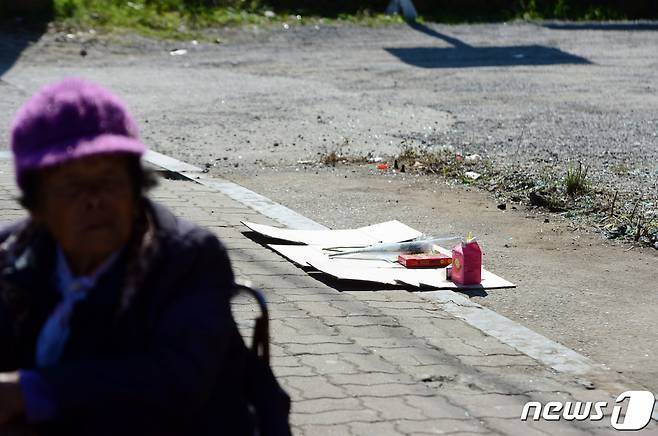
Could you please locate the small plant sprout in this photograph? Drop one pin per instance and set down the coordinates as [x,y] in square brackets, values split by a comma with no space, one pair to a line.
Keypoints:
[575,181]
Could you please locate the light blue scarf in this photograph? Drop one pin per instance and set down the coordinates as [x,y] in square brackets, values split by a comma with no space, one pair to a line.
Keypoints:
[55,332]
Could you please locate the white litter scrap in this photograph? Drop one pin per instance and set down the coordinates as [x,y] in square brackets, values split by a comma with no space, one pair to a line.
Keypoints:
[365,267]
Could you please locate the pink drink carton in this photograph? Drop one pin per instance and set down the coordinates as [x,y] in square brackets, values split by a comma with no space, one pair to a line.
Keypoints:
[467,263]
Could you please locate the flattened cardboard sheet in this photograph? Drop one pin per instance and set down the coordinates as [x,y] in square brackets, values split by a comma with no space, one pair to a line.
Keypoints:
[365,274]
[434,278]
[304,254]
[390,231]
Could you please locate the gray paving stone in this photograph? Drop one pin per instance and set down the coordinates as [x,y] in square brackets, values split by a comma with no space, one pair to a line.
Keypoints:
[335,417]
[368,295]
[455,346]
[375,331]
[435,407]
[316,308]
[325,348]
[311,326]
[413,315]
[360,321]
[328,365]
[312,339]
[277,351]
[443,426]
[283,281]
[285,361]
[388,390]
[457,329]
[489,405]
[285,371]
[497,360]
[421,304]
[374,428]
[412,355]
[518,427]
[313,286]
[315,387]
[355,308]
[325,298]
[369,379]
[392,408]
[376,343]
[433,372]
[327,404]
[370,363]
[324,430]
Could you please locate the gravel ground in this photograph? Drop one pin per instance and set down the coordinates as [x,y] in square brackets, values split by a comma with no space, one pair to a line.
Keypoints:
[529,98]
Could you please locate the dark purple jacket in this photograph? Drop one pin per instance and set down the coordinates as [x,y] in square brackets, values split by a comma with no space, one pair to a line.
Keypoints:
[171,364]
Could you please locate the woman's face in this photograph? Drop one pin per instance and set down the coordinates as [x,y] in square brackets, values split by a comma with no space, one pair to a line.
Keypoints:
[88,205]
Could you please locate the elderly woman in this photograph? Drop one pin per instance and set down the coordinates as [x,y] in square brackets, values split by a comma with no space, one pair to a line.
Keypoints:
[114,314]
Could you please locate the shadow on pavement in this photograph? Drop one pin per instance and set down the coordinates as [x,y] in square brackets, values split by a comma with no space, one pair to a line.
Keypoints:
[14,40]
[602,26]
[462,55]
[473,291]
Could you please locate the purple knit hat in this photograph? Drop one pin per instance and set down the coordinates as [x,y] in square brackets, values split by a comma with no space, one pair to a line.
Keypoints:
[68,120]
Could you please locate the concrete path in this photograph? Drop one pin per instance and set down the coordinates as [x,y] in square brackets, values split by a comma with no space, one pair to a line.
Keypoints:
[364,362]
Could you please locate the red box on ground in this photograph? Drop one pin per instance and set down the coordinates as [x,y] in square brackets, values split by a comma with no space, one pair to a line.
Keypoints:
[424,260]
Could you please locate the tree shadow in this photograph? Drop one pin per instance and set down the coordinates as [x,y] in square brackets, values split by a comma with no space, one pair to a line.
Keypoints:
[462,55]
[603,26]
[15,37]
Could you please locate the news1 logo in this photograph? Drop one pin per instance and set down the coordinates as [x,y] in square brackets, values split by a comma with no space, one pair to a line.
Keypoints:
[638,412]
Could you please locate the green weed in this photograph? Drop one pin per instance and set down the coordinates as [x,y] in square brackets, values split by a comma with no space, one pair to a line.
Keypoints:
[186,19]
[575,181]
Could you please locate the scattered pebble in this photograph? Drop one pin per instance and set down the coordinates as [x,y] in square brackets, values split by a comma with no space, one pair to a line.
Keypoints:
[472,175]
[472,158]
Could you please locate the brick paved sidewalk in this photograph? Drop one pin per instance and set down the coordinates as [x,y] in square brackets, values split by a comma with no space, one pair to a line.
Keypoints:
[372,362]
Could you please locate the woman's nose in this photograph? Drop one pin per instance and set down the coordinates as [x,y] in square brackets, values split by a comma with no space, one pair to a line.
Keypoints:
[93,200]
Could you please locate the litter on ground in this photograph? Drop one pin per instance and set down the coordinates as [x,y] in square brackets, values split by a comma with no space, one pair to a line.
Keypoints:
[366,265]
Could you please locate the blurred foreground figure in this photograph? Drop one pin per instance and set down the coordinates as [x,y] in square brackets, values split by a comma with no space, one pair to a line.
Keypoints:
[114,314]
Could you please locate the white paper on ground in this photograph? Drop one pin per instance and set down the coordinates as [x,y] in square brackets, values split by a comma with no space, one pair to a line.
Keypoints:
[436,278]
[303,254]
[366,274]
[390,231]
